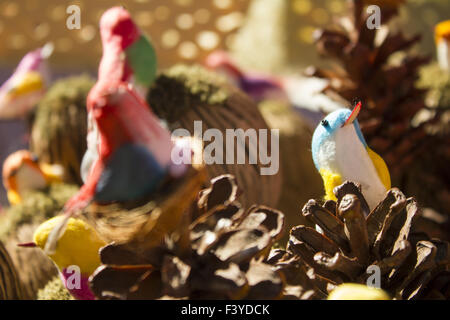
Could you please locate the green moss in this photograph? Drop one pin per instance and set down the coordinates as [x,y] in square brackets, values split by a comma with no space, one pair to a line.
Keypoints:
[72,89]
[183,87]
[36,207]
[54,290]
[437,81]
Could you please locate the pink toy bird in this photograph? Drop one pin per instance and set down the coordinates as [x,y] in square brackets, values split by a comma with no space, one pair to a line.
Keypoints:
[26,86]
[258,86]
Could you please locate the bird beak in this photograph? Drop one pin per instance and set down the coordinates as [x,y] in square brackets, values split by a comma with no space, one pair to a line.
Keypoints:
[353,115]
[27,245]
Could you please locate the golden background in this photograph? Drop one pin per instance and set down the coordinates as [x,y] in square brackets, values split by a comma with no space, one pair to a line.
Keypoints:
[186,30]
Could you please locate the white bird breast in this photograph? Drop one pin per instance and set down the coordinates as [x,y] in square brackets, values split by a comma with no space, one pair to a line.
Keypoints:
[344,153]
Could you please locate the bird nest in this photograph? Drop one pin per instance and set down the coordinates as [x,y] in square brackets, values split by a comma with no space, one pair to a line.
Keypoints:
[145,223]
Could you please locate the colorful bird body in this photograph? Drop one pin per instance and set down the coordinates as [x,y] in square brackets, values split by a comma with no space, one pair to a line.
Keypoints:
[442,38]
[79,246]
[22,172]
[340,153]
[26,86]
[128,131]
[131,142]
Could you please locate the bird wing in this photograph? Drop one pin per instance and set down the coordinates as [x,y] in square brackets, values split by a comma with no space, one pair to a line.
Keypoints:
[142,58]
[141,124]
[381,167]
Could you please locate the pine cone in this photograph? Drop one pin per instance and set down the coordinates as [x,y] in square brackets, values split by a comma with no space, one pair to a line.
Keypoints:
[183,94]
[388,91]
[216,256]
[59,130]
[10,285]
[432,169]
[411,265]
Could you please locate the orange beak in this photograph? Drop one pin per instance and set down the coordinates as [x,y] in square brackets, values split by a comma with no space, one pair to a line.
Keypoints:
[354,114]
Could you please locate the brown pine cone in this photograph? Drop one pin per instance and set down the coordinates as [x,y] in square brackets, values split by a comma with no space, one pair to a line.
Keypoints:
[411,265]
[216,256]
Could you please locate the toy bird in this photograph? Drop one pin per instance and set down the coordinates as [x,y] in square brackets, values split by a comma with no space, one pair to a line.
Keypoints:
[304,94]
[127,56]
[22,172]
[340,153]
[257,86]
[134,151]
[442,38]
[79,246]
[26,86]
[355,291]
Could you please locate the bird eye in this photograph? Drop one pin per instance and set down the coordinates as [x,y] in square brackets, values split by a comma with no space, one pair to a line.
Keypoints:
[325,123]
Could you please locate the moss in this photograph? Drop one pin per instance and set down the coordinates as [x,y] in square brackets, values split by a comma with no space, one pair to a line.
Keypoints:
[60,125]
[183,87]
[437,81]
[54,290]
[36,207]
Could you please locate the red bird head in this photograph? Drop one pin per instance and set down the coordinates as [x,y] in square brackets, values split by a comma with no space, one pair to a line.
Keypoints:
[116,24]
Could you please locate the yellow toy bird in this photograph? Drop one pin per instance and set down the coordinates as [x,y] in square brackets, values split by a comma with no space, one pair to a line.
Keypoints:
[442,38]
[22,172]
[354,291]
[77,250]
[340,153]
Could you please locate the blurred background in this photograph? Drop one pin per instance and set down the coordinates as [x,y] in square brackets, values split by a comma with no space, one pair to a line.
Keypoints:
[186,30]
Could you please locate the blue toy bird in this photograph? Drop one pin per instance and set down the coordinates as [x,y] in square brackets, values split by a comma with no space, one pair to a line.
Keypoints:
[340,153]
